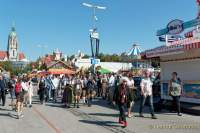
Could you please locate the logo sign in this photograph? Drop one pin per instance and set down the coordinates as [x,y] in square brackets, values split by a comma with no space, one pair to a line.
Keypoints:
[175,27]
[95,61]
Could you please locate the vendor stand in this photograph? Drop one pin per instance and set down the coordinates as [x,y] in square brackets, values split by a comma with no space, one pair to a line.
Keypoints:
[182,56]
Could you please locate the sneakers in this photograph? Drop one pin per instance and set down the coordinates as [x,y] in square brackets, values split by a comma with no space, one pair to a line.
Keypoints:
[179,114]
[141,115]
[125,124]
[154,117]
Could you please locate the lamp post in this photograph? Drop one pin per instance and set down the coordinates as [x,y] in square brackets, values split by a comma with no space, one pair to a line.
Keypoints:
[94,35]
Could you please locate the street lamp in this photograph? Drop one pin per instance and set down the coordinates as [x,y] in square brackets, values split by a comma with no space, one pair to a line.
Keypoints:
[94,7]
[94,35]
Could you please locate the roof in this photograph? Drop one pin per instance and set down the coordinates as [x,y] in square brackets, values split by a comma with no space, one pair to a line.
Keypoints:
[54,63]
[135,51]
[21,56]
[3,55]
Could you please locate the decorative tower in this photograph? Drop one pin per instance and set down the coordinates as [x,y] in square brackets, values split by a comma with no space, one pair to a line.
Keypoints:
[12,48]
[57,54]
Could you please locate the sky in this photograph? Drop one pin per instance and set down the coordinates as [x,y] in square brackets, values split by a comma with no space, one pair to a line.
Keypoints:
[65,24]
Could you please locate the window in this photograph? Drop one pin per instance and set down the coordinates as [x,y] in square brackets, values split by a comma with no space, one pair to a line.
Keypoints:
[13,53]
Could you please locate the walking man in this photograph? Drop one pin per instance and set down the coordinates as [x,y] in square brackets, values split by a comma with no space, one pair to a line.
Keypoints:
[2,91]
[146,94]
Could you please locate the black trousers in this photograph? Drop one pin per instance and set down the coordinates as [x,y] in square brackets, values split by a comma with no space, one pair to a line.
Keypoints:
[176,103]
[3,97]
[122,111]
[41,96]
[54,94]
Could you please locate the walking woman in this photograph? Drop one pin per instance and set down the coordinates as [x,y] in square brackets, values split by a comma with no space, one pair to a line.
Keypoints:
[77,91]
[175,91]
[132,92]
[84,82]
[120,98]
[30,93]
[11,85]
[104,86]
[19,93]
[69,92]
[41,90]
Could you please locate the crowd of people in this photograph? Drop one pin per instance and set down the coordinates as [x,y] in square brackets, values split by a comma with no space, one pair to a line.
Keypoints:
[116,89]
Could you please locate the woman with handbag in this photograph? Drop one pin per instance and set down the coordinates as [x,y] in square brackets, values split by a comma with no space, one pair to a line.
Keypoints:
[175,91]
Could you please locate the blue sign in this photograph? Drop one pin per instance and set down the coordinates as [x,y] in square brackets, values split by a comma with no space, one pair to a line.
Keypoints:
[185,25]
[94,61]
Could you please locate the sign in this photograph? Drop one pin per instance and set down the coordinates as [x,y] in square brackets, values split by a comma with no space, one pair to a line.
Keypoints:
[186,25]
[175,27]
[185,41]
[95,61]
[94,35]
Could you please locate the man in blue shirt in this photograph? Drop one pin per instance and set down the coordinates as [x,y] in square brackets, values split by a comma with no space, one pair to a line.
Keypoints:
[2,91]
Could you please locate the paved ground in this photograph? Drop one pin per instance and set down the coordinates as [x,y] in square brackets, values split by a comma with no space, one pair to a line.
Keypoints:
[100,118]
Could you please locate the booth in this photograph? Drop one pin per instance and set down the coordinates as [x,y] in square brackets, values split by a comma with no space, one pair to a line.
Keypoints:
[185,60]
[181,54]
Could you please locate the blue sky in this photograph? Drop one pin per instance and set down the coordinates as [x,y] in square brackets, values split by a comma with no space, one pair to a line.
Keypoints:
[65,24]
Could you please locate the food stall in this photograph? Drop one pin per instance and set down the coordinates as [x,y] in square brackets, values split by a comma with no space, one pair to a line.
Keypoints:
[182,55]
[185,60]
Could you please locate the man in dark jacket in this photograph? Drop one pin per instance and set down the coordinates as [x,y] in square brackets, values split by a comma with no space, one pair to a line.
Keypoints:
[121,96]
[2,91]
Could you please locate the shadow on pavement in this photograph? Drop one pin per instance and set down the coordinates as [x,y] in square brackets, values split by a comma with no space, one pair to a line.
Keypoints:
[55,105]
[9,115]
[2,109]
[104,114]
[101,123]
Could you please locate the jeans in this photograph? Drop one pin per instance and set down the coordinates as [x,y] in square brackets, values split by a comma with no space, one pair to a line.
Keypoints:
[3,97]
[176,103]
[150,100]
[122,115]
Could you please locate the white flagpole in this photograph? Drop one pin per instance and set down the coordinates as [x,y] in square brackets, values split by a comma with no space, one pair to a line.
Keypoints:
[166,40]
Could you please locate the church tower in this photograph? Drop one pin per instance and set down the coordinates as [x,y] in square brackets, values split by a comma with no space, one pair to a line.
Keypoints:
[12,48]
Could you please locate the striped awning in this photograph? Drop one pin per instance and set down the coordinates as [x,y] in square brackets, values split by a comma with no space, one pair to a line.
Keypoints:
[170,50]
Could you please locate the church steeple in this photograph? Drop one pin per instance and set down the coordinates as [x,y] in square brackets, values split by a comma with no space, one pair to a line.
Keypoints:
[12,44]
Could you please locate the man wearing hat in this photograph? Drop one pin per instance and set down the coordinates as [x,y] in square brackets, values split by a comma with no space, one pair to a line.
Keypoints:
[146,94]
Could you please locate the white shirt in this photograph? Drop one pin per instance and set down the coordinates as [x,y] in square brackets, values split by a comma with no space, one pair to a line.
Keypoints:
[130,83]
[24,86]
[111,81]
[146,84]
[55,82]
